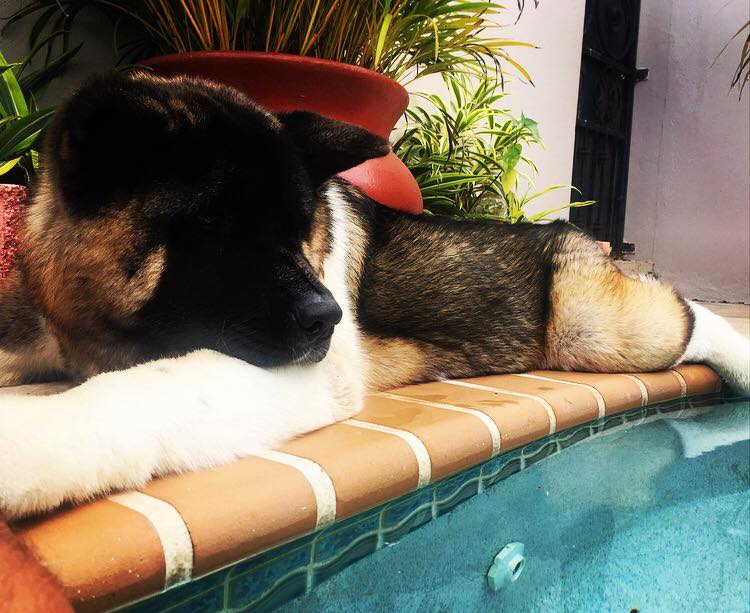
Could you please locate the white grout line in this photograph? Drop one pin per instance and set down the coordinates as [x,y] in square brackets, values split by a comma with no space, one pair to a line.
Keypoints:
[601,405]
[424,463]
[172,531]
[483,417]
[683,383]
[325,493]
[641,385]
[487,388]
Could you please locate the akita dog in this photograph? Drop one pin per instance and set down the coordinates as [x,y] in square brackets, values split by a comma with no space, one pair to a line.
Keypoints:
[189,259]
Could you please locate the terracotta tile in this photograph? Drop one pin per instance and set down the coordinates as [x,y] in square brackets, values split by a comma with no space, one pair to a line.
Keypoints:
[103,553]
[231,512]
[454,440]
[572,405]
[520,420]
[366,467]
[661,386]
[619,392]
[108,554]
[700,379]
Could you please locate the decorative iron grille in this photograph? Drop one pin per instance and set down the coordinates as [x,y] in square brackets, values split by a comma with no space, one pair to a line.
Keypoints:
[605,109]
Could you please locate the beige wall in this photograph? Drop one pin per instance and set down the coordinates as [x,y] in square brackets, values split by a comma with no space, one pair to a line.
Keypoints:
[556,27]
[688,206]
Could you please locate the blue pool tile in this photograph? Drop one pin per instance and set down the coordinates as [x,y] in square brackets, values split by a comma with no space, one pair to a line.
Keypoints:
[677,405]
[534,453]
[445,488]
[211,601]
[576,437]
[356,550]
[399,510]
[611,423]
[181,593]
[294,585]
[418,517]
[277,552]
[638,415]
[490,467]
[511,465]
[354,519]
[251,585]
[534,447]
[456,489]
[334,540]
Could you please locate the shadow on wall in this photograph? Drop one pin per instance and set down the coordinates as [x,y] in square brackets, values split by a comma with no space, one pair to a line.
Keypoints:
[688,207]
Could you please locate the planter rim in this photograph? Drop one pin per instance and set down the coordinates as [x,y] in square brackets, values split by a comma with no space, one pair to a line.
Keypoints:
[283,58]
[282,82]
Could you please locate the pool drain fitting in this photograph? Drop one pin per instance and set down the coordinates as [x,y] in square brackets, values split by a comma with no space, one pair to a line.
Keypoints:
[506,567]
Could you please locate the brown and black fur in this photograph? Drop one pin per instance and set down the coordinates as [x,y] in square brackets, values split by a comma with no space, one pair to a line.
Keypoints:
[172,215]
[176,214]
[441,298]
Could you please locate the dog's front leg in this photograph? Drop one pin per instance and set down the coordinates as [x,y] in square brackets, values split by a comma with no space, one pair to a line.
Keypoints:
[119,429]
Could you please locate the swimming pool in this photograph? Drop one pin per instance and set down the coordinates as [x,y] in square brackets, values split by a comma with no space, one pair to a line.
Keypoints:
[653,515]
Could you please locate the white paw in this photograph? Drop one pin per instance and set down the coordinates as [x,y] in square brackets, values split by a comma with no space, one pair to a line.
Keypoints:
[119,429]
[51,453]
[717,343]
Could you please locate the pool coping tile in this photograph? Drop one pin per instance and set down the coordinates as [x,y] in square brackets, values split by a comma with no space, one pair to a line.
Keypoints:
[411,455]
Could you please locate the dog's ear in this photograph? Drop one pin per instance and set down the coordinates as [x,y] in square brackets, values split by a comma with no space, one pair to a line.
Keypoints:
[329,146]
[109,137]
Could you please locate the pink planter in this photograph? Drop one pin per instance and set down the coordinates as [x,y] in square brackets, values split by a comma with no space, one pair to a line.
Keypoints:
[12,198]
[283,82]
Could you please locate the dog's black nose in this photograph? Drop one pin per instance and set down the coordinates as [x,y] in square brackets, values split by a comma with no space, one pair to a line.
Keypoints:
[317,314]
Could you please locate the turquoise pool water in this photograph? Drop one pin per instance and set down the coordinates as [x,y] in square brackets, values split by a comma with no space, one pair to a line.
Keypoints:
[650,516]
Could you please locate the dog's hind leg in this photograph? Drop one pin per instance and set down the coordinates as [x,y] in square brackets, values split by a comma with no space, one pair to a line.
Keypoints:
[605,321]
[716,342]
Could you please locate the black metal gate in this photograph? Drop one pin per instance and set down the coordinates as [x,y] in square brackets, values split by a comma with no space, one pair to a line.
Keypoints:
[605,108]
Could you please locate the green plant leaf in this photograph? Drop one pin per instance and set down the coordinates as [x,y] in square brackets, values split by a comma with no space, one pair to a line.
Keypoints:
[469,158]
[21,134]
[9,165]
[382,36]
[571,205]
[509,180]
[548,189]
[38,79]
[400,38]
[4,120]
[12,101]
[511,156]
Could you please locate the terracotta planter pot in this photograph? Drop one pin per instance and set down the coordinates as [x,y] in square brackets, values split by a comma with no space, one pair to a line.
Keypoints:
[12,198]
[283,82]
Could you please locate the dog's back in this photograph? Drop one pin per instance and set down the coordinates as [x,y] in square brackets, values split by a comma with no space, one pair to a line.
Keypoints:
[441,298]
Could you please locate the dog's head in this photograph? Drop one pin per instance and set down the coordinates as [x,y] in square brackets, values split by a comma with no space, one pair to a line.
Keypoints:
[174,214]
